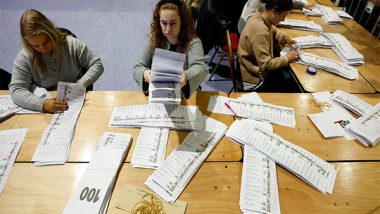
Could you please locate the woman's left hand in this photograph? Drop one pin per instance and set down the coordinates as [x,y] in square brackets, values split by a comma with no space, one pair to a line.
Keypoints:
[183,80]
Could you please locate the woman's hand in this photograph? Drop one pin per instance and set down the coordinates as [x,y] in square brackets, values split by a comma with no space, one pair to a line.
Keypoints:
[292,56]
[147,75]
[183,80]
[290,42]
[55,106]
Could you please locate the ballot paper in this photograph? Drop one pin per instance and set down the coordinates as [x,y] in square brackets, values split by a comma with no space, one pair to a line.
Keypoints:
[55,144]
[332,123]
[158,115]
[131,195]
[259,188]
[150,147]
[7,107]
[367,127]
[94,189]
[328,64]
[171,178]
[167,69]
[343,14]
[329,15]
[343,48]
[307,166]
[301,25]
[10,144]
[280,115]
[311,41]
[351,102]
[313,12]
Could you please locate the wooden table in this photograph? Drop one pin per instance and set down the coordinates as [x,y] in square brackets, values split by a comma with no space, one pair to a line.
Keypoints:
[359,38]
[306,134]
[215,188]
[93,122]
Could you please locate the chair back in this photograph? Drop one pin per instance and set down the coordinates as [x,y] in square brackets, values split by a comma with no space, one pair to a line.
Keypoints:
[237,83]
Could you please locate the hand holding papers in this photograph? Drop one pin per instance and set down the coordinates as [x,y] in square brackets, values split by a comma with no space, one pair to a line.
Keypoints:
[310,168]
[167,69]
[55,143]
[10,144]
[93,192]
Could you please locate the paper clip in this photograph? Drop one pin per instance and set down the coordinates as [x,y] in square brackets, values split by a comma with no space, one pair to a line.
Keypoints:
[324,105]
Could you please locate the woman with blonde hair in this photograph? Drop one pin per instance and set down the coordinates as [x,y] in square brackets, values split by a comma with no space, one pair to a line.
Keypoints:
[49,56]
[172,28]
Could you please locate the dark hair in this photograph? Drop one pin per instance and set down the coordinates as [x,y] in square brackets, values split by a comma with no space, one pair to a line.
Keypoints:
[278,5]
[187,30]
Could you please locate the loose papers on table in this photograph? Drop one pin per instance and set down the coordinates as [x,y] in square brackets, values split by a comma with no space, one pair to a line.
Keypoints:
[7,107]
[150,147]
[329,15]
[170,179]
[367,127]
[329,65]
[344,49]
[158,115]
[311,41]
[93,192]
[10,144]
[281,115]
[167,69]
[301,25]
[351,102]
[55,143]
[309,167]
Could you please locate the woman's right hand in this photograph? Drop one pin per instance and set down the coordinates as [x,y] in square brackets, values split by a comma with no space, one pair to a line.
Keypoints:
[292,56]
[147,75]
[53,105]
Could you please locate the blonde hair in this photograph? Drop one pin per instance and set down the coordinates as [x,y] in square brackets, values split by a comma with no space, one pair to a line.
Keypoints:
[32,23]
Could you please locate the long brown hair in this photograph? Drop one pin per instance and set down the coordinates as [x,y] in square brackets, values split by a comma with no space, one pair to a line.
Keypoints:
[187,30]
[32,23]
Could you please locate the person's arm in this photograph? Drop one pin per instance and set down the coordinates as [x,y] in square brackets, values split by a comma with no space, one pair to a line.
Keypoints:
[196,70]
[143,63]
[262,52]
[21,83]
[91,63]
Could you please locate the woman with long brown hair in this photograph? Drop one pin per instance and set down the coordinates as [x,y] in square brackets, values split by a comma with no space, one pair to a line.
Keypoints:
[172,28]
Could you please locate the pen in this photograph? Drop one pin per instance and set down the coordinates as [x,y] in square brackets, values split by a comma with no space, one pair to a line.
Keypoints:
[229,107]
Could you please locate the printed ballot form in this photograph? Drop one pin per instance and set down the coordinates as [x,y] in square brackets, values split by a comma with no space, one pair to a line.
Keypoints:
[93,192]
[55,144]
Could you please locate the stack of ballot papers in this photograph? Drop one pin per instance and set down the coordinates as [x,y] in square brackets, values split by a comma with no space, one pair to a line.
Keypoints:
[131,197]
[351,102]
[329,15]
[344,49]
[328,64]
[259,189]
[313,12]
[171,178]
[280,115]
[10,143]
[367,127]
[311,41]
[150,147]
[307,166]
[55,144]
[93,192]
[7,107]
[167,69]
[301,25]
[343,14]
[158,115]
